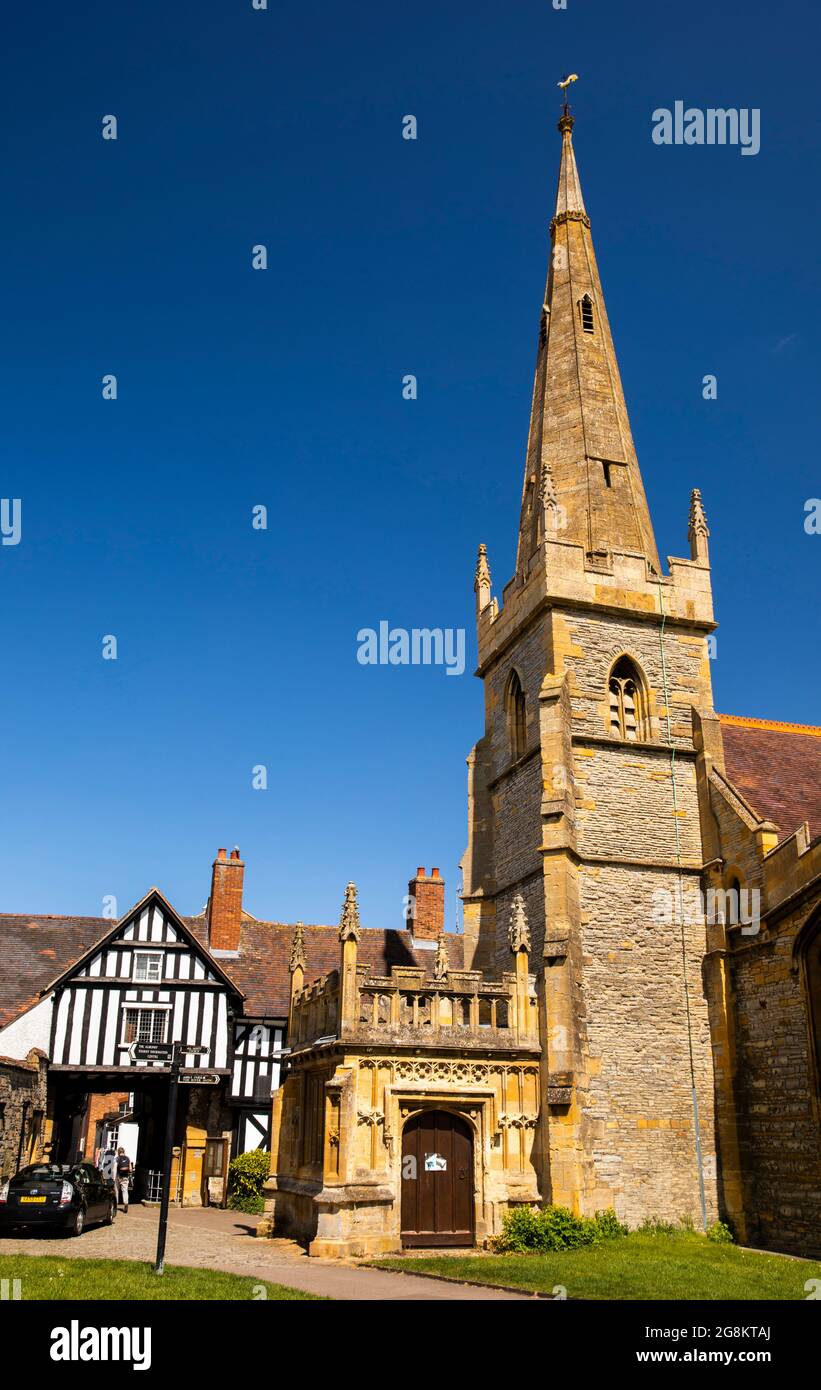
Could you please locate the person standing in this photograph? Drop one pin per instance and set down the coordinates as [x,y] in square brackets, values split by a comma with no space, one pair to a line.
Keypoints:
[123,1178]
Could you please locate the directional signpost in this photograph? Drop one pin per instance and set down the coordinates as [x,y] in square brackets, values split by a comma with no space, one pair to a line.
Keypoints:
[177,1051]
[152,1052]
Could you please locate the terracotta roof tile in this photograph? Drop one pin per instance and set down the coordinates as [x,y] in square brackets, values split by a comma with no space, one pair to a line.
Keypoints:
[261,969]
[777,768]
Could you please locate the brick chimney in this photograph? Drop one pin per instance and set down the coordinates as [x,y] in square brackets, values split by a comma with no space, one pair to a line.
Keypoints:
[225,903]
[427,894]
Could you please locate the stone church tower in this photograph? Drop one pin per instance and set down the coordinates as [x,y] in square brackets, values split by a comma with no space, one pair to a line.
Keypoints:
[583,791]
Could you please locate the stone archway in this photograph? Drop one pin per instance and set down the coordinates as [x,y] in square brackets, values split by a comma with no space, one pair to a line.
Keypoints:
[437,1180]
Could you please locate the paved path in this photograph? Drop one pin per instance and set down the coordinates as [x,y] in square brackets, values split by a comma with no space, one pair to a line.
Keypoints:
[214,1239]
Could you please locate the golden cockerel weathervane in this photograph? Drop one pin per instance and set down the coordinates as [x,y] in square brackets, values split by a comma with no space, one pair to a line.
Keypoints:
[565,85]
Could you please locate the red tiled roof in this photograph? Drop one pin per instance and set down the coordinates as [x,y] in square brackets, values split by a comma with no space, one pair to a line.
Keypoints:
[34,951]
[261,969]
[777,768]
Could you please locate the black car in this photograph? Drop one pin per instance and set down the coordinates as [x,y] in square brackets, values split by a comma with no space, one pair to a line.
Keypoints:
[64,1195]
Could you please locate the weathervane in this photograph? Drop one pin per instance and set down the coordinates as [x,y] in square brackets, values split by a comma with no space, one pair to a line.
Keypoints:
[565,84]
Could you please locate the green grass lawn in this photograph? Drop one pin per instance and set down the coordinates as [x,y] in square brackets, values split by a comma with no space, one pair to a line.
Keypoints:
[681,1266]
[49,1276]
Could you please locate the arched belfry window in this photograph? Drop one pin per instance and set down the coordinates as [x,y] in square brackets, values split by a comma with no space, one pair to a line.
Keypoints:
[586,311]
[628,704]
[516,716]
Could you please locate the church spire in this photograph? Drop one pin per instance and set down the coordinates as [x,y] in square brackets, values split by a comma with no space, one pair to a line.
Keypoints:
[579,428]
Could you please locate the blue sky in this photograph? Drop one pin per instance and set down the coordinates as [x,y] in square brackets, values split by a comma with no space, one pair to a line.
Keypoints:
[238,647]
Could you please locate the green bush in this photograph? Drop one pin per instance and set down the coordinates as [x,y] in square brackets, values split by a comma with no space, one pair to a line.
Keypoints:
[720,1232]
[246,1174]
[608,1225]
[554,1228]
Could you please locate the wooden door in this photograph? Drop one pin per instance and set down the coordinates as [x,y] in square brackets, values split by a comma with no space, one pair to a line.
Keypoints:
[437,1180]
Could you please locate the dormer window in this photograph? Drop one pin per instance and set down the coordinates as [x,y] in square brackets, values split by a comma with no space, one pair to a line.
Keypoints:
[586,307]
[627,702]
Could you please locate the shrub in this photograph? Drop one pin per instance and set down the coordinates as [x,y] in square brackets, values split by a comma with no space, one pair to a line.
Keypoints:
[608,1225]
[720,1232]
[246,1174]
[525,1230]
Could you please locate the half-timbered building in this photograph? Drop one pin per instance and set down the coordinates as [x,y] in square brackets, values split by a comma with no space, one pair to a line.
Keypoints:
[84,993]
[156,978]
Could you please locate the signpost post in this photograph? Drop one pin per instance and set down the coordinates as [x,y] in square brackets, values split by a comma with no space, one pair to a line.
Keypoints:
[174,1053]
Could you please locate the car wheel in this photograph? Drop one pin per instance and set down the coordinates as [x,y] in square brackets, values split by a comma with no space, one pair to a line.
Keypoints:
[78,1223]
[112,1212]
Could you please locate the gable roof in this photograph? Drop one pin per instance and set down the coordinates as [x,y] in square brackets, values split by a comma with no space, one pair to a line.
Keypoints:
[777,768]
[152,897]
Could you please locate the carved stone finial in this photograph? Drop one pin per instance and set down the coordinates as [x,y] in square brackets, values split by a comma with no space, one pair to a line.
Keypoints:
[349,921]
[297,958]
[481,582]
[698,520]
[441,963]
[482,575]
[518,933]
[698,530]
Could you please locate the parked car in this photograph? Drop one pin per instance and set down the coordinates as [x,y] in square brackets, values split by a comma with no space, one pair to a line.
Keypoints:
[67,1195]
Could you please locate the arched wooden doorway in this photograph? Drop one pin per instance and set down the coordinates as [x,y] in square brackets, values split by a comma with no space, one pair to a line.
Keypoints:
[437,1180]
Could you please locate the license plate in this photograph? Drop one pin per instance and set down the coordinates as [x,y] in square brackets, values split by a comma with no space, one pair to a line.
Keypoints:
[32,1199]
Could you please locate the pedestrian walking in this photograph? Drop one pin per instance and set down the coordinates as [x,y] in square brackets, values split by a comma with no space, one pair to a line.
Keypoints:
[123,1178]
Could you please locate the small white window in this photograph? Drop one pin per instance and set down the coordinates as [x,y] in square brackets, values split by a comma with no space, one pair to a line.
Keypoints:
[147,965]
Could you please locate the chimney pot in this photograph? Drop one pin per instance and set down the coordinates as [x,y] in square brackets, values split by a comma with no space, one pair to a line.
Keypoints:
[220,853]
[434,873]
[420,872]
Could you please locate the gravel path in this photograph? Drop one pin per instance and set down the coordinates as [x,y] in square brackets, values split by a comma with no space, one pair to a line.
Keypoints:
[214,1239]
